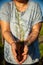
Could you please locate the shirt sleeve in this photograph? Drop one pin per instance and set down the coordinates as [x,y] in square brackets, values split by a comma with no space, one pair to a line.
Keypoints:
[5,13]
[37,17]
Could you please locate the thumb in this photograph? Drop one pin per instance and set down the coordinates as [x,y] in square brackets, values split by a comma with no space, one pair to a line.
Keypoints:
[24,53]
[15,53]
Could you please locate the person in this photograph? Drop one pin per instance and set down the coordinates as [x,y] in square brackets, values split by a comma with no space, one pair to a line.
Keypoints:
[21,19]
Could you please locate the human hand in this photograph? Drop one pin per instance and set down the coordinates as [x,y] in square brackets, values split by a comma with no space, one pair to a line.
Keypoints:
[13,48]
[25,50]
[20,47]
[24,58]
[25,55]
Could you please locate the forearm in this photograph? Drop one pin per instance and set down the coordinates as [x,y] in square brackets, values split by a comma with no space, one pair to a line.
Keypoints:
[34,33]
[32,37]
[8,37]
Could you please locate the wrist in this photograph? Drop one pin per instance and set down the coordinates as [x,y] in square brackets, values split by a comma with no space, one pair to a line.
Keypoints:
[13,43]
[28,43]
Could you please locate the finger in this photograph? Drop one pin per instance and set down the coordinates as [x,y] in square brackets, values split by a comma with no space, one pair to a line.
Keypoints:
[14,53]
[25,53]
[25,49]
[23,60]
[16,60]
[25,57]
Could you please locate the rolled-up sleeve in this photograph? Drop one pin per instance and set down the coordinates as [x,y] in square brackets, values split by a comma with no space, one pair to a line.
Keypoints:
[37,17]
[5,13]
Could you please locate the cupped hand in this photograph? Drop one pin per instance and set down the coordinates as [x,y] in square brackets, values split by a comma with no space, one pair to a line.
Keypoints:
[13,48]
[25,50]
[25,54]
[24,58]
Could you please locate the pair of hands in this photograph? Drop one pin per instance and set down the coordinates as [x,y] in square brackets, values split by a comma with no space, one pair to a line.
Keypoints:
[25,55]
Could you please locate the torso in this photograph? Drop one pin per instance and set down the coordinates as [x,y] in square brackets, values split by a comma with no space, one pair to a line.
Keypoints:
[25,22]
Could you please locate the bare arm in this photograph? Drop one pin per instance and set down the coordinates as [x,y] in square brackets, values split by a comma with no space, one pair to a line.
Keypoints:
[0,23]
[5,26]
[9,38]
[34,34]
